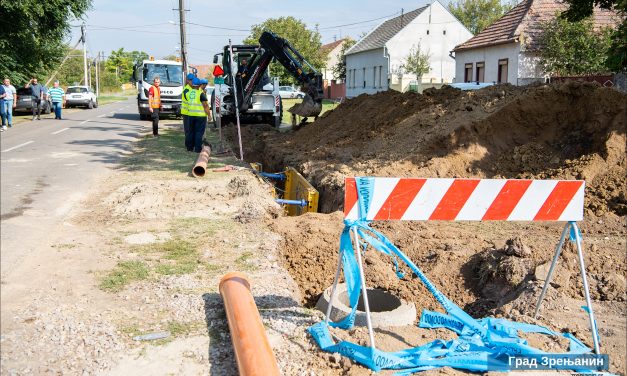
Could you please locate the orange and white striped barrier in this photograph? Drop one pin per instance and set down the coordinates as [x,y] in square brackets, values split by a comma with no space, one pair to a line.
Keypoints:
[469,200]
[372,198]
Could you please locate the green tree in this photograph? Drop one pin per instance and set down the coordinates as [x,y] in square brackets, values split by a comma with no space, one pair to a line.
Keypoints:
[71,72]
[170,57]
[476,15]
[617,53]
[123,62]
[31,38]
[573,48]
[305,41]
[339,69]
[417,62]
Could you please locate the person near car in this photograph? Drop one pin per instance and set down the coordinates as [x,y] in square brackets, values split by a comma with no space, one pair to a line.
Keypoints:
[154,101]
[197,112]
[57,95]
[2,95]
[7,103]
[184,100]
[37,93]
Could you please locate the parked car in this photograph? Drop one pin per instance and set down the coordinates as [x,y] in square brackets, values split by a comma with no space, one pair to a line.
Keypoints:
[290,92]
[80,96]
[25,102]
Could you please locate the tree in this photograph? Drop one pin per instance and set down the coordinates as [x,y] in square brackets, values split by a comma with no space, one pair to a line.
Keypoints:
[123,62]
[305,41]
[416,62]
[339,69]
[617,53]
[170,57]
[573,48]
[31,39]
[476,15]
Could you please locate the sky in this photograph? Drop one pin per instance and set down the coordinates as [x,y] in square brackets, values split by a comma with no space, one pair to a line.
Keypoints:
[152,25]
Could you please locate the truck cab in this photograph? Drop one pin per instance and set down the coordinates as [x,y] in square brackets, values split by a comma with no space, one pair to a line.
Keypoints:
[171,74]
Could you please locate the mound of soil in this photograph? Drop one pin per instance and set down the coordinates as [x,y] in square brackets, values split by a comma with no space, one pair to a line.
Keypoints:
[570,130]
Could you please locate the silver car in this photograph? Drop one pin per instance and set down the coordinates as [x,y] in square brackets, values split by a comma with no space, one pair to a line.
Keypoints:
[287,92]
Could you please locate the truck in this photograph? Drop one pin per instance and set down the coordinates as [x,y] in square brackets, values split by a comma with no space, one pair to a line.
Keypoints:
[171,74]
[257,95]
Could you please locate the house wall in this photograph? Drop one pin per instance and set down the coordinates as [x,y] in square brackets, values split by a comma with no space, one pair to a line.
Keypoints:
[332,59]
[490,56]
[529,69]
[438,32]
[375,64]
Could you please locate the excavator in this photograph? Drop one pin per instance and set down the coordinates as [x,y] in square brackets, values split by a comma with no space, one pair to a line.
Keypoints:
[248,88]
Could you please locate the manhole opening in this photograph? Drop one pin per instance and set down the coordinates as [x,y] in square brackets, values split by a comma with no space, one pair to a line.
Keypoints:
[379,300]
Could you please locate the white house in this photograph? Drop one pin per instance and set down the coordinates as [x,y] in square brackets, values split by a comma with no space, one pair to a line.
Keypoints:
[374,63]
[333,49]
[507,50]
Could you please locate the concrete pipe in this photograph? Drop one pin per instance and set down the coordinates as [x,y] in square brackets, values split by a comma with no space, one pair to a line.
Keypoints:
[200,168]
[252,350]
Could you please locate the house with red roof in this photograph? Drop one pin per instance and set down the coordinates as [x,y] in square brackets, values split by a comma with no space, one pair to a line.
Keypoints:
[507,50]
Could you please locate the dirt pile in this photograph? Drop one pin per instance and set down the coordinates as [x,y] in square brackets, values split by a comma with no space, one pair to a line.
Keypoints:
[564,131]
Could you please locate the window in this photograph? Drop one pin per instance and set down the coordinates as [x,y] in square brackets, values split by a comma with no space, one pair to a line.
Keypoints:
[348,78]
[380,76]
[443,32]
[364,76]
[374,77]
[502,71]
[468,72]
[480,77]
[427,32]
[354,74]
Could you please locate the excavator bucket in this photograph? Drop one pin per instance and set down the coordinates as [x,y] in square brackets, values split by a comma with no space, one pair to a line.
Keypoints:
[307,108]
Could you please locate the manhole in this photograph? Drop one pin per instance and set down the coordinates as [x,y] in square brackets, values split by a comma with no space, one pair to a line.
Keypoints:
[386,309]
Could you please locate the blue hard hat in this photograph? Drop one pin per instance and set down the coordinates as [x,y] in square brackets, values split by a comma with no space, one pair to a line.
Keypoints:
[204,82]
[190,76]
[196,81]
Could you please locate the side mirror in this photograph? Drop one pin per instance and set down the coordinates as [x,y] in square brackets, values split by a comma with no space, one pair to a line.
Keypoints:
[215,59]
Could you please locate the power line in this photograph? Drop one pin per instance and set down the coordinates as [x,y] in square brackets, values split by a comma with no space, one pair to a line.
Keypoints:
[215,27]
[357,23]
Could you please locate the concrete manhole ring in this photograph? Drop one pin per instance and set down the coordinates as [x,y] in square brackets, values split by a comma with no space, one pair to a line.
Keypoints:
[385,308]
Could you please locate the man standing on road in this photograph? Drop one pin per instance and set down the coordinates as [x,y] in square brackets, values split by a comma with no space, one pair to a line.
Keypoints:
[197,112]
[7,103]
[154,100]
[185,101]
[57,95]
[2,95]
[37,91]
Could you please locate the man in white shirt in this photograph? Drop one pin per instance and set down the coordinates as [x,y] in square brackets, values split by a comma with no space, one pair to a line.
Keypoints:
[8,103]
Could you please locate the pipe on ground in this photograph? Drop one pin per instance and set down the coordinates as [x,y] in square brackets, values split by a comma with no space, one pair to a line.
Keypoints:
[200,168]
[252,350]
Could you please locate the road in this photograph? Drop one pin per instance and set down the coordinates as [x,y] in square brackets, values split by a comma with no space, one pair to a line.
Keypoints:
[47,166]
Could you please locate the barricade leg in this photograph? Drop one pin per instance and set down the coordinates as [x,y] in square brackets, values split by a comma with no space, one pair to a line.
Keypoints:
[586,290]
[558,251]
[363,287]
[334,289]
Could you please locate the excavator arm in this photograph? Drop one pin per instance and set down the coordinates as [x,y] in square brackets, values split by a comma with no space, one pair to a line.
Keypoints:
[271,46]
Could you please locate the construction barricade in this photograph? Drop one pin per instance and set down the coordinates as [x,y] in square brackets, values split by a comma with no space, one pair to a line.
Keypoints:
[487,344]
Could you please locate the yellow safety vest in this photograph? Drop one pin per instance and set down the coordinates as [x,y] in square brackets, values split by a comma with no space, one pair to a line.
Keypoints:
[195,107]
[185,102]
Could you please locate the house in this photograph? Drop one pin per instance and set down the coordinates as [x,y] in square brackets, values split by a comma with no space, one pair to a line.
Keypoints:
[375,62]
[507,50]
[203,70]
[333,56]
[332,88]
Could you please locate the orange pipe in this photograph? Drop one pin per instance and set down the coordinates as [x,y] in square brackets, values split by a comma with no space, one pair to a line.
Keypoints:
[252,349]
[200,168]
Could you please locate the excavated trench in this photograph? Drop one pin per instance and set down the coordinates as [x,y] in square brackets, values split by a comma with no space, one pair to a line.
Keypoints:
[562,131]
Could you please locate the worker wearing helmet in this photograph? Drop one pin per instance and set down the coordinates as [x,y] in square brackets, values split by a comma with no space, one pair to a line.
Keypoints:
[197,112]
[185,101]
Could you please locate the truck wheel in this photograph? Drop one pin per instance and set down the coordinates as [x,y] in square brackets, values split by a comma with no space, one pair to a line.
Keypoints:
[217,122]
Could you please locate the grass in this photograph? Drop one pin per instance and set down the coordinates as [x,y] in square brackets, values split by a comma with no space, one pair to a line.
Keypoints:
[243,261]
[166,153]
[124,273]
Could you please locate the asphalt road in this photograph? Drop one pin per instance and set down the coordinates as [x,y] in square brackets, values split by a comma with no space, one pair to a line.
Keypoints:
[47,166]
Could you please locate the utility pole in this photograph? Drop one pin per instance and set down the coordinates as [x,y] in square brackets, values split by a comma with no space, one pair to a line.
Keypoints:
[97,81]
[84,53]
[183,35]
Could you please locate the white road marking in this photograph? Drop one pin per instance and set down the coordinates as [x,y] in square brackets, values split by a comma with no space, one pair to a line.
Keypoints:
[18,146]
[83,122]
[60,130]
[103,115]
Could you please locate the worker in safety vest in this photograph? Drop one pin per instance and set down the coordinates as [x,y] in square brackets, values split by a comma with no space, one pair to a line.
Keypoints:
[185,100]
[197,111]
[154,101]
